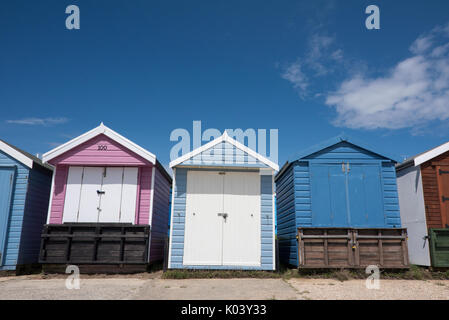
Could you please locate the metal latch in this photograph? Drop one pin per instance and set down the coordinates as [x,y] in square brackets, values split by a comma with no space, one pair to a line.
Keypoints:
[100,192]
[224,215]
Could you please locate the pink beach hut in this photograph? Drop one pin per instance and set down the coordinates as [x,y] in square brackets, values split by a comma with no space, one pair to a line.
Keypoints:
[109,202]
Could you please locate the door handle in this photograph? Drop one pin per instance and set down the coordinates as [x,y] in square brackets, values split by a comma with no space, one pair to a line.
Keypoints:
[224,215]
[100,192]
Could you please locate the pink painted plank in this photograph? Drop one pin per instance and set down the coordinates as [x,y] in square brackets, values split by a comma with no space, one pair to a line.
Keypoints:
[58,196]
[144,198]
[88,153]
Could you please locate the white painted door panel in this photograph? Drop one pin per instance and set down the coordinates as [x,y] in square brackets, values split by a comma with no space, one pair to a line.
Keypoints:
[111,194]
[241,228]
[72,194]
[203,226]
[129,195]
[89,200]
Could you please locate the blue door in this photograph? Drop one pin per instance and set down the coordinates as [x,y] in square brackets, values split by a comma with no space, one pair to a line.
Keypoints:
[6,187]
[357,196]
[375,216]
[320,193]
[339,198]
[329,196]
[365,196]
[347,195]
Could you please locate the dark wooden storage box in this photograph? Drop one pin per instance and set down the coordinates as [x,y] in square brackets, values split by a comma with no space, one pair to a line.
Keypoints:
[352,248]
[94,243]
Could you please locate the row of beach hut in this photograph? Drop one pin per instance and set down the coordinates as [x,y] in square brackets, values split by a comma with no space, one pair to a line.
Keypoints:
[101,200]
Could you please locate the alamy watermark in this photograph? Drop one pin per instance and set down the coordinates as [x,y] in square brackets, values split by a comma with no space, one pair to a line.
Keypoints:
[373,280]
[73,20]
[73,280]
[262,141]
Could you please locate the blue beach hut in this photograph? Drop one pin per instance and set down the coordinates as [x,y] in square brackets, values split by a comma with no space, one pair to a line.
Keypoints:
[339,183]
[24,193]
[222,208]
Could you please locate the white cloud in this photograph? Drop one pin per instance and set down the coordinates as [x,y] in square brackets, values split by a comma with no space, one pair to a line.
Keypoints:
[38,121]
[413,93]
[421,44]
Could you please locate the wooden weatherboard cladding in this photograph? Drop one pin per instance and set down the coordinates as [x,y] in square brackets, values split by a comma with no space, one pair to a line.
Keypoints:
[435,180]
[352,248]
[439,247]
[94,243]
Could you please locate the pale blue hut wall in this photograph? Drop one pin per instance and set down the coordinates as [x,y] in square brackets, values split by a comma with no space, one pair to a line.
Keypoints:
[178,223]
[28,212]
[178,218]
[296,210]
[13,227]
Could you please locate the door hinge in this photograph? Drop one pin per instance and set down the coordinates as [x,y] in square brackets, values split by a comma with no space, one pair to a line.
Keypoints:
[443,198]
[443,172]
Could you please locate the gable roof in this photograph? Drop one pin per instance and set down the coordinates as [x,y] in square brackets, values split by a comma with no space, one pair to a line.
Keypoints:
[22,156]
[101,129]
[424,156]
[326,144]
[224,138]
[333,141]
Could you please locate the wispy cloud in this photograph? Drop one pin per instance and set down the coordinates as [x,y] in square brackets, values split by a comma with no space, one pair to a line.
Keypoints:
[414,93]
[321,58]
[294,74]
[38,121]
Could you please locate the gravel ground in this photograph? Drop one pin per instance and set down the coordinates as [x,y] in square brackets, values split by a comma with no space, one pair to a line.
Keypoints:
[145,287]
[322,289]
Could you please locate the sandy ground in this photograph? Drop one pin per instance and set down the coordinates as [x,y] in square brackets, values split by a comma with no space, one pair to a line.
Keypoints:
[142,287]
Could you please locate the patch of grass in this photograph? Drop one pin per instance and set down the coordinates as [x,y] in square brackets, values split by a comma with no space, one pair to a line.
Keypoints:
[218,274]
[337,274]
[286,273]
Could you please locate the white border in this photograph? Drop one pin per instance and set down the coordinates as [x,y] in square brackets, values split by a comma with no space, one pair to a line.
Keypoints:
[431,154]
[16,155]
[224,137]
[272,221]
[101,129]
[150,219]
[52,189]
[171,218]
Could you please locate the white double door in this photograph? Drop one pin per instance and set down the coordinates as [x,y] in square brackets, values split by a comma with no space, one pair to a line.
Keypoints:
[222,223]
[101,194]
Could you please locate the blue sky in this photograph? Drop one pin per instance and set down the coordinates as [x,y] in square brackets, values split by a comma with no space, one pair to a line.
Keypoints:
[308,68]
